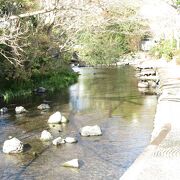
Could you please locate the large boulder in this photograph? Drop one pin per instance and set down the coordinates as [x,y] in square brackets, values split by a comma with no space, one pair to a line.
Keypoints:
[46,136]
[91,131]
[43,107]
[55,118]
[20,109]
[13,145]
[72,163]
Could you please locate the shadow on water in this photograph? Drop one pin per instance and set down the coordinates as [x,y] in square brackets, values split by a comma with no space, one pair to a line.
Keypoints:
[106,97]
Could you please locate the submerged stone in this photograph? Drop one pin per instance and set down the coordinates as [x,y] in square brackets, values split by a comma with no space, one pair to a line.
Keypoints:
[70,140]
[58,141]
[43,106]
[72,163]
[91,131]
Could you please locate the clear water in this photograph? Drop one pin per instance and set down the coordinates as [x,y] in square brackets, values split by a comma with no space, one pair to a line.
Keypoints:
[106,97]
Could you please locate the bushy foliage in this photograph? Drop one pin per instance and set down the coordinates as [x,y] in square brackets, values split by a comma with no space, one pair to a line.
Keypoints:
[108,44]
[9,7]
[37,49]
[52,81]
[40,51]
[165,48]
[42,62]
[102,48]
[178,2]
[119,34]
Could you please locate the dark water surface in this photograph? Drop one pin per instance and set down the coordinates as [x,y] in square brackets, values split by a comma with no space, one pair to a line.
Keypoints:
[106,97]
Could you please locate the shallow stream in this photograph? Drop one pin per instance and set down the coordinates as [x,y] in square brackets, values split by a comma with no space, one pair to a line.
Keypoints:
[106,97]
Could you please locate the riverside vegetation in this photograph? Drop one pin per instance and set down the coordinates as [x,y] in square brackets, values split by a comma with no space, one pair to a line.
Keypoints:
[165,48]
[37,45]
[29,54]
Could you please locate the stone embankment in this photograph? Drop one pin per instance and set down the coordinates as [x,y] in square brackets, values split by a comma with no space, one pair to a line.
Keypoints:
[160,160]
[148,78]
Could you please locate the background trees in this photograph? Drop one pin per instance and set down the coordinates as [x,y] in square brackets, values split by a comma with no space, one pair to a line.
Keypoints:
[38,38]
[43,36]
[119,35]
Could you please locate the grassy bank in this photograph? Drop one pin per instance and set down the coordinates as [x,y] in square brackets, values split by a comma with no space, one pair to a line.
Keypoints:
[52,82]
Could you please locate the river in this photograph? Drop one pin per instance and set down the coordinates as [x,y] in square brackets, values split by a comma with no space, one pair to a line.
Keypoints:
[108,97]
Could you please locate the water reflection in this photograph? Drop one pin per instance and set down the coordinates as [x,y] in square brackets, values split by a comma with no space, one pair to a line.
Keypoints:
[107,90]
[107,97]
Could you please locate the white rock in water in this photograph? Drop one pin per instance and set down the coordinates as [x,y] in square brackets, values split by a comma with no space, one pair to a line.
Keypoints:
[13,145]
[3,110]
[72,163]
[20,109]
[91,131]
[70,140]
[58,141]
[43,106]
[46,136]
[64,120]
[55,118]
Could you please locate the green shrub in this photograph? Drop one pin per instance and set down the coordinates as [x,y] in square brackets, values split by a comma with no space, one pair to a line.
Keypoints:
[51,81]
[102,48]
[119,35]
[108,45]
[178,2]
[165,48]
[42,64]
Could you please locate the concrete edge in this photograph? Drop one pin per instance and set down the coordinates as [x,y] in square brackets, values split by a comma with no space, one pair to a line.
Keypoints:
[132,173]
[135,169]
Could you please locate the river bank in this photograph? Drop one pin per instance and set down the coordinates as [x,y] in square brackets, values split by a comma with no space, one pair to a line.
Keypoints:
[159,160]
[39,84]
